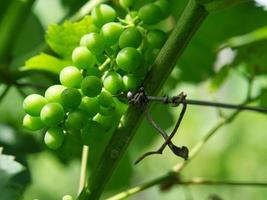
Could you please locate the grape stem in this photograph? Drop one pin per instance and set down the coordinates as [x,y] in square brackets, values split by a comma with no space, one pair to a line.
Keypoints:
[103,67]
[85,153]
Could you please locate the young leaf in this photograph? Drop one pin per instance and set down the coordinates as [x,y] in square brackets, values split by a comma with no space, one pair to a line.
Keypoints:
[64,38]
[45,62]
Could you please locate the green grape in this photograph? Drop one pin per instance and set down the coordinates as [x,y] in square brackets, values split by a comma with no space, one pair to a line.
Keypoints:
[71,77]
[76,120]
[105,99]
[106,121]
[91,128]
[84,40]
[54,137]
[52,114]
[90,105]
[103,14]
[33,104]
[71,147]
[109,121]
[32,123]
[130,37]
[128,59]
[120,107]
[67,197]
[111,33]
[74,133]
[156,38]
[83,58]
[126,3]
[130,82]
[104,75]
[164,7]
[113,82]
[93,71]
[91,86]
[106,111]
[94,42]
[53,93]
[150,14]
[71,98]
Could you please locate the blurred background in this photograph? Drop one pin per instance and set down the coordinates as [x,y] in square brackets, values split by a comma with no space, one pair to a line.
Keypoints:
[206,72]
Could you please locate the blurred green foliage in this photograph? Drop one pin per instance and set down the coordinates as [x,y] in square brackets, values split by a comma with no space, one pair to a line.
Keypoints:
[236,153]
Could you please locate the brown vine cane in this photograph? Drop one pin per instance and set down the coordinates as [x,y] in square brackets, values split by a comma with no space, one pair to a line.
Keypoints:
[141,99]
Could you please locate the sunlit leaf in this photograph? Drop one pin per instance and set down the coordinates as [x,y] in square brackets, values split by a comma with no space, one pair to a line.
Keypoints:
[247,39]
[64,38]
[45,62]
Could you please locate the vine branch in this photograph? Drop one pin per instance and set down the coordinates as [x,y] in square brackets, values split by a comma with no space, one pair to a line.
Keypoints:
[194,181]
[84,161]
[208,103]
[201,181]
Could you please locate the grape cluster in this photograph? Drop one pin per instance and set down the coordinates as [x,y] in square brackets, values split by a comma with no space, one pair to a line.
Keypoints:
[112,60]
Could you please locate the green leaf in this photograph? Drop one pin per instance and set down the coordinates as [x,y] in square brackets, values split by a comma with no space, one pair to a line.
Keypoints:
[46,62]
[8,167]
[247,39]
[30,36]
[254,56]
[14,177]
[64,38]
[198,60]
[250,50]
